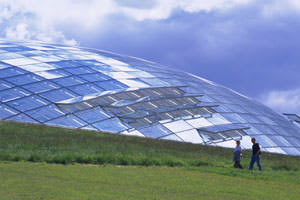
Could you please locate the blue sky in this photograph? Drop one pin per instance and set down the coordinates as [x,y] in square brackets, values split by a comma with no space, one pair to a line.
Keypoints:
[251,46]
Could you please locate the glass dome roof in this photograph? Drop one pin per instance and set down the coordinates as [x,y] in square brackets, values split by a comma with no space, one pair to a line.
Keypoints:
[98,90]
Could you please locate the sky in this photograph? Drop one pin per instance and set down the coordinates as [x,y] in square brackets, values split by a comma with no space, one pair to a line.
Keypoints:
[251,46]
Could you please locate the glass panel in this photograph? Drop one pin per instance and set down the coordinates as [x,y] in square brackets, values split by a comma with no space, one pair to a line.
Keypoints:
[69,81]
[6,56]
[6,111]
[32,53]
[21,61]
[17,48]
[11,94]
[190,136]
[172,137]
[5,85]
[58,95]
[111,85]
[12,71]
[178,126]
[45,113]
[65,64]
[97,66]
[234,118]
[155,82]
[46,58]
[217,119]
[295,142]
[275,150]
[95,77]
[67,121]
[39,87]
[120,75]
[199,122]
[134,83]
[265,141]
[155,131]
[24,79]
[28,103]
[280,141]
[4,65]
[85,89]
[113,125]
[133,133]
[79,70]
[291,151]
[37,67]
[92,115]
[22,118]
[141,74]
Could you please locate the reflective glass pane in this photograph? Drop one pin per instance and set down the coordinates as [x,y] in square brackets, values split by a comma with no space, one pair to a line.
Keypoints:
[95,77]
[190,136]
[45,113]
[67,121]
[9,55]
[23,118]
[21,61]
[178,126]
[111,85]
[79,70]
[58,95]
[28,103]
[6,111]
[69,81]
[4,65]
[112,125]
[217,119]
[85,89]
[199,122]
[155,131]
[24,79]
[5,85]
[11,94]
[92,115]
[9,72]
[41,86]
[172,137]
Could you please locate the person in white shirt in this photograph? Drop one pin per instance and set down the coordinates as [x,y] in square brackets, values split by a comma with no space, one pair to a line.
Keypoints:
[237,155]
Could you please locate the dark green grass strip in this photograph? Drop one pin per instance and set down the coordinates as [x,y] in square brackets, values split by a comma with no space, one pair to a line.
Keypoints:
[36,181]
[37,143]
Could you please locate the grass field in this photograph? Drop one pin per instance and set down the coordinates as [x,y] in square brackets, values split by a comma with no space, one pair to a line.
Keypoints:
[107,166]
[36,181]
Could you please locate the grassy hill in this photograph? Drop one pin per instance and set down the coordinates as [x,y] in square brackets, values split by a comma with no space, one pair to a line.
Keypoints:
[106,166]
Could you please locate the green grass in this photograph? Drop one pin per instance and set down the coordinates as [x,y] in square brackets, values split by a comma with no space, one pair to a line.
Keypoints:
[107,166]
[37,143]
[36,181]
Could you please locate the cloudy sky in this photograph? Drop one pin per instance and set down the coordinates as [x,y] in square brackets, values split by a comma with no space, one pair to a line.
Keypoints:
[251,46]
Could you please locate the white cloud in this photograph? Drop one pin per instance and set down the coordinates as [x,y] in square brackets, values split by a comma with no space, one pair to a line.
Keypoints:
[36,19]
[42,20]
[283,101]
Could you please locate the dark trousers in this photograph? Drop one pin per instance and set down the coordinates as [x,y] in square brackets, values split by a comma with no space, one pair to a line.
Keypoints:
[237,164]
[255,158]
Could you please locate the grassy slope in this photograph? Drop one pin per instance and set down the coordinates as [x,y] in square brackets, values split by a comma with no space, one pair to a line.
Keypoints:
[205,170]
[47,181]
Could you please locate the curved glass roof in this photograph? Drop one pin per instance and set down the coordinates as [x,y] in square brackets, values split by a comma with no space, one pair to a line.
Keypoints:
[97,90]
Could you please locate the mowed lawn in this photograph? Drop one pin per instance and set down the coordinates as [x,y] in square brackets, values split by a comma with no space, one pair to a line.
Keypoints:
[36,181]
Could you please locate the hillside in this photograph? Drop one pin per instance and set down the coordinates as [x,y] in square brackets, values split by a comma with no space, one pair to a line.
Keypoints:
[180,170]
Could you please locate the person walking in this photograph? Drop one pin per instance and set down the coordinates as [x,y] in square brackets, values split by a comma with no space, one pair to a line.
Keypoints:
[237,155]
[255,155]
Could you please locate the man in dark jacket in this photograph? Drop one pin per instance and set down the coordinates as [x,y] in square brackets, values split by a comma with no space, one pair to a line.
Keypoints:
[237,155]
[255,155]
